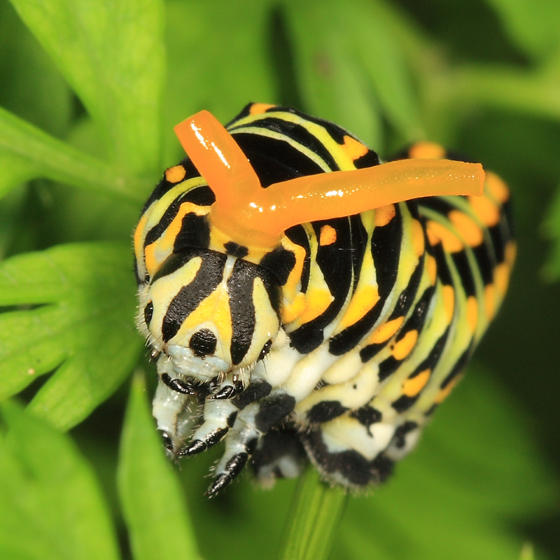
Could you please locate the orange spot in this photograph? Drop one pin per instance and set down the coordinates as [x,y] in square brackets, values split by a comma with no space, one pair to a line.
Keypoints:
[490,301]
[511,253]
[439,233]
[485,210]
[384,215]
[426,150]
[448,301]
[404,346]
[328,235]
[258,108]
[496,186]
[362,301]
[385,331]
[501,278]
[354,148]
[413,385]
[444,393]
[417,234]
[431,266]
[316,302]
[472,313]
[468,229]
[175,174]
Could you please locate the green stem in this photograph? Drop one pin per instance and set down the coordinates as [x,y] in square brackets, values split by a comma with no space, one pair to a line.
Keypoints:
[56,160]
[314,516]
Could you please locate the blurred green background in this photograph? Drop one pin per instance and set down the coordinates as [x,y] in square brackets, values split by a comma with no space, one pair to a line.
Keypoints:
[90,92]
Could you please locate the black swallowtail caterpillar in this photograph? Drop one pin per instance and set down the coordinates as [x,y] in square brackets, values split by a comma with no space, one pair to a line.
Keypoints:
[325,322]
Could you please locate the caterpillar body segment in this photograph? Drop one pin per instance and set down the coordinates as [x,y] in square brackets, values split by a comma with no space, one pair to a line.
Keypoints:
[336,341]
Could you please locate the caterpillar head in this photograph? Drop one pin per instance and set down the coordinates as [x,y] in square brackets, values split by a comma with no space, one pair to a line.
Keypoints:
[209,313]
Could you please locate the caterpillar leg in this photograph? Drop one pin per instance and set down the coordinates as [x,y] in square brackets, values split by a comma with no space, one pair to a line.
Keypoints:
[252,423]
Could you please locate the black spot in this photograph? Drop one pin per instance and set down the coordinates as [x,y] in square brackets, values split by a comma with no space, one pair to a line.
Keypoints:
[203,342]
[366,415]
[236,250]
[273,410]
[325,411]
[148,312]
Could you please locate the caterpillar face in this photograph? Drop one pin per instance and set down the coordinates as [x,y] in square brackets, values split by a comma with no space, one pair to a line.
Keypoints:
[307,303]
[209,314]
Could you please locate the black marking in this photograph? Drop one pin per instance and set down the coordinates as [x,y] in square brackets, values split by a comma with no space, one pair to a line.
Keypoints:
[272,411]
[399,437]
[269,158]
[498,241]
[276,445]
[464,269]
[148,312]
[296,133]
[407,296]
[170,212]
[236,250]
[203,342]
[366,415]
[167,441]
[240,290]
[280,263]
[194,232]
[369,159]
[404,402]
[325,411]
[254,392]
[189,297]
[386,251]
[486,261]
[231,418]
[387,367]
[298,236]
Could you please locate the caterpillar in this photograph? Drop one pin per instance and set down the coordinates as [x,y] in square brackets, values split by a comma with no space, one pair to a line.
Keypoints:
[306,302]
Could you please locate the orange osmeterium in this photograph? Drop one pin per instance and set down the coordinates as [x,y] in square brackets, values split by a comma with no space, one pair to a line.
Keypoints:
[257,217]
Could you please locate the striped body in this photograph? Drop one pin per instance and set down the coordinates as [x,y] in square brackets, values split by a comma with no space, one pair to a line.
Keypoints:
[342,340]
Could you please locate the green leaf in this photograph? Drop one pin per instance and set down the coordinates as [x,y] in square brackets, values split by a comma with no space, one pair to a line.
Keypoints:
[51,504]
[352,73]
[313,518]
[531,24]
[53,159]
[216,65]
[111,53]
[331,80]
[15,170]
[31,85]
[551,228]
[70,309]
[150,493]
